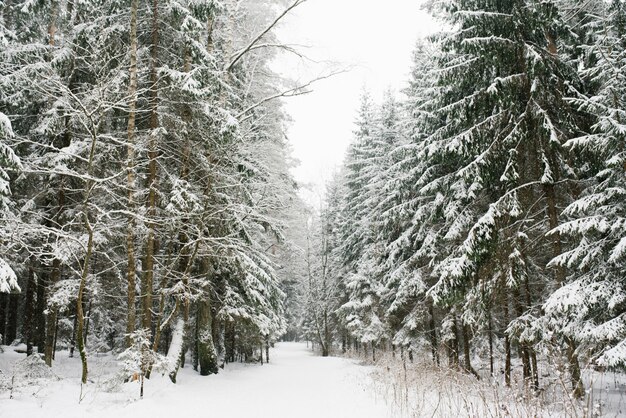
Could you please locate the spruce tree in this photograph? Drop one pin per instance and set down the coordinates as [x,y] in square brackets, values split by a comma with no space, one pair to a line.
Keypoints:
[590,307]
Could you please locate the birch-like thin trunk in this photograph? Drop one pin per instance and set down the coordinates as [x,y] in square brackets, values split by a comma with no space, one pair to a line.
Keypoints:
[148,273]
[131,272]
[80,315]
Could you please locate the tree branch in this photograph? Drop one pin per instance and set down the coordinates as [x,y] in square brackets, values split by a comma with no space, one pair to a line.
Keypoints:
[295,91]
[256,39]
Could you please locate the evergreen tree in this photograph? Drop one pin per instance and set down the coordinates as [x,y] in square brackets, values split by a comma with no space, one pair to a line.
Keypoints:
[8,279]
[590,307]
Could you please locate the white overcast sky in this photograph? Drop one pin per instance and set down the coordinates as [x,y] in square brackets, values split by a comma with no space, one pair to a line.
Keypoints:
[376,39]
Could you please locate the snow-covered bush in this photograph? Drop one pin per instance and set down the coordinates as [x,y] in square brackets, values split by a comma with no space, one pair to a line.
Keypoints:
[139,359]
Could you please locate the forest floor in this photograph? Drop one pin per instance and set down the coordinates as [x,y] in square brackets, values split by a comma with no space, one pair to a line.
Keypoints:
[296,383]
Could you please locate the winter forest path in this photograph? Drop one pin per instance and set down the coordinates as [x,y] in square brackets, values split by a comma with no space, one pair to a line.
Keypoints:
[295,384]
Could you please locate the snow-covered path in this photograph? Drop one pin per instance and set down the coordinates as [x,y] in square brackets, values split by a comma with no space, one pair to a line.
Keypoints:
[296,383]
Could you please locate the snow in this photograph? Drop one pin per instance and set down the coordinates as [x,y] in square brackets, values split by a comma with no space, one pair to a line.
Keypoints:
[8,279]
[296,383]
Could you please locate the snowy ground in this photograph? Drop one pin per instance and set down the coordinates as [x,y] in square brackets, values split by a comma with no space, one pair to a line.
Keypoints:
[296,383]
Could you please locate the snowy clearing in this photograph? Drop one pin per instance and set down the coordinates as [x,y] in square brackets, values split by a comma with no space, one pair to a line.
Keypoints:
[296,382]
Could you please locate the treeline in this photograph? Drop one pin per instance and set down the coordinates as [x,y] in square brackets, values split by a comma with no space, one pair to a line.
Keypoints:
[144,180]
[484,215]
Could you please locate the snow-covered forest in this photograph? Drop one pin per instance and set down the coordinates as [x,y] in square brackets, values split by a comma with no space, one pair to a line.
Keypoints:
[149,215]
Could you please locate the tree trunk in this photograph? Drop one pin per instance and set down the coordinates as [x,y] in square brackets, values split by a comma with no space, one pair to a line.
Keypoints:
[11,326]
[195,346]
[229,342]
[327,336]
[56,332]
[578,390]
[490,335]
[40,317]
[507,340]
[148,273]
[218,336]
[453,346]
[88,319]
[523,348]
[434,343]
[175,352]
[466,351]
[532,355]
[52,320]
[130,166]
[28,327]
[207,357]
[80,316]
[4,301]
[73,338]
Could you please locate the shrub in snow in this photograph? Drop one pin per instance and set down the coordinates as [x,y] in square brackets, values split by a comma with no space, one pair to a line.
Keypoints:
[139,358]
[32,370]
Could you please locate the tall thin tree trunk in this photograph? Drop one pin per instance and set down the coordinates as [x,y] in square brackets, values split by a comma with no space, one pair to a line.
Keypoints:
[88,319]
[80,315]
[148,274]
[52,320]
[490,336]
[4,301]
[453,350]
[523,346]
[532,354]
[73,338]
[507,340]
[11,326]
[434,342]
[56,333]
[131,272]
[28,327]
[40,317]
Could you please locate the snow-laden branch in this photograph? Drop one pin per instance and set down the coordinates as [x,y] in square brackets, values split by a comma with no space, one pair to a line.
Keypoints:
[250,46]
